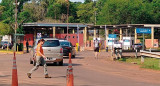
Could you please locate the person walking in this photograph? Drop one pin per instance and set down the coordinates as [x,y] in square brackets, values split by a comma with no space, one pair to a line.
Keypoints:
[40,59]
[27,44]
[96,48]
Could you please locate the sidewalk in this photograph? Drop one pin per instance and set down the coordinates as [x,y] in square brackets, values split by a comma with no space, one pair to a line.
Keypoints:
[11,52]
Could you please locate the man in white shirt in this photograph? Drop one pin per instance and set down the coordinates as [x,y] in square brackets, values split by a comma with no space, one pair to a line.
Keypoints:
[96,47]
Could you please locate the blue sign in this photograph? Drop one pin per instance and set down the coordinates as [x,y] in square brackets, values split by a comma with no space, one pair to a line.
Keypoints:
[112,36]
[143,30]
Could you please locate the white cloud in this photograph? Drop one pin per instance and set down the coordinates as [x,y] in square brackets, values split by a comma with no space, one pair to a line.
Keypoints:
[77,0]
[70,0]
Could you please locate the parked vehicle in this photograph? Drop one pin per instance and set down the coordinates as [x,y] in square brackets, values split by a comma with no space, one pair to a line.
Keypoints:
[4,45]
[67,48]
[137,46]
[52,50]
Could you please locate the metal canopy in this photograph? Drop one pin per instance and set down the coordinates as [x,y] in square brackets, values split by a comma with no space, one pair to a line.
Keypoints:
[123,26]
[54,25]
[89,26]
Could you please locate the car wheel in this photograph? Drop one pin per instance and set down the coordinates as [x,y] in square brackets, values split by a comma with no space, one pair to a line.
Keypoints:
[61,63]
[73,56]
[31,62]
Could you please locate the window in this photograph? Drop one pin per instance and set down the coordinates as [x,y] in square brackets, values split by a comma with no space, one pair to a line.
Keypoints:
[64,43]
[73,36]
[51,43]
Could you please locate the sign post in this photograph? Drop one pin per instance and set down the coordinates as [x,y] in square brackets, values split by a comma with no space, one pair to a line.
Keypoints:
[143,31]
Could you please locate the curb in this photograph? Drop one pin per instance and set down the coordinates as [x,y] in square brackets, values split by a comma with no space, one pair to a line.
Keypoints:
[10,52]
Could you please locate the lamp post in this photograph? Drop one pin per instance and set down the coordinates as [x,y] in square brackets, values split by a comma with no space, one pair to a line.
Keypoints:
[16,25]
[67,16]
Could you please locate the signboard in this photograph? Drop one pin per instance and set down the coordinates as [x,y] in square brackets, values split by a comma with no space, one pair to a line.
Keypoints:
[112,36]
[143,30]
[39,35]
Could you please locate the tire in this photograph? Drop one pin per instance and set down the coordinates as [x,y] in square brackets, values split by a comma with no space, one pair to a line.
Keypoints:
[31,62]
[73,56]
[61,63]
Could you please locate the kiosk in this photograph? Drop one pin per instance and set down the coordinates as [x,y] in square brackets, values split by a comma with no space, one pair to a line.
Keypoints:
[127,43]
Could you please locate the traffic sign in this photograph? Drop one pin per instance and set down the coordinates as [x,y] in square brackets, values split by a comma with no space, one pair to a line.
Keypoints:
[112,35]
[143,30]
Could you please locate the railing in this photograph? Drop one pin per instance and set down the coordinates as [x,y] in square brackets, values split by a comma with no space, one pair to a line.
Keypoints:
[149,54]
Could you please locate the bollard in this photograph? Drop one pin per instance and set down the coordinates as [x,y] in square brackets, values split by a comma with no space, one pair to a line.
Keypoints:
[142,59]
[136,53]
[70,72]
[14,72]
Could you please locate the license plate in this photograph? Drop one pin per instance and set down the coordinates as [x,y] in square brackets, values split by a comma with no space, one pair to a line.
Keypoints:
[49,58]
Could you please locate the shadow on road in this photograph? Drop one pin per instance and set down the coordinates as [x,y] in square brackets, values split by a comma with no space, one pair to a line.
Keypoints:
[73,58]
[64,64]
[5,76]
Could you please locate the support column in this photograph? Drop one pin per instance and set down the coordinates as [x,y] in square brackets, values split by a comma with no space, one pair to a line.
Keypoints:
[73,31]
[85,35]
[107,32]
[135,36]
[121,34]
[152,36]
[54,32]
[95,35]
[63,31]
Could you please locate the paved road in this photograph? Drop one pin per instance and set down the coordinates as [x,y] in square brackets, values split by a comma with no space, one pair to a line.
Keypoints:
[88,71]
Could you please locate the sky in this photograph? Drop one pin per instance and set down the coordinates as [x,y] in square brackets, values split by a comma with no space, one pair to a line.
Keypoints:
[70,0]
[77,0]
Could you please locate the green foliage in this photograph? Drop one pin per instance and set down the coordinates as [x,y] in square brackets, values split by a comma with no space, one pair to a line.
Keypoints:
[104,11]
[4,29]
[127,12]
[86,13]
[149,63]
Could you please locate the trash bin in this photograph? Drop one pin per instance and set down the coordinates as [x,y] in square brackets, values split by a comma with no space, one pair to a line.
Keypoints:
[106,49]
[21,47]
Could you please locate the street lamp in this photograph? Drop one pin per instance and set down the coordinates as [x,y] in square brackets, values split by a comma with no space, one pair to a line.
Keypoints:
[16,25]
[67,16]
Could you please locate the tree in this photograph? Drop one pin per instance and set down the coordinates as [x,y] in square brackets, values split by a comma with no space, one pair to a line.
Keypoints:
[87,1]
[5,29]
[86,12]
[36,11]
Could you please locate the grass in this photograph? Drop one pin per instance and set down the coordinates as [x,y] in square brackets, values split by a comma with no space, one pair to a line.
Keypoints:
[6,50]
[149,63]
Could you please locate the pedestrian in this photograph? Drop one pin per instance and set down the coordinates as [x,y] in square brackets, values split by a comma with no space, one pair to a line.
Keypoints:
[96,47]
[27,45]
[40,59]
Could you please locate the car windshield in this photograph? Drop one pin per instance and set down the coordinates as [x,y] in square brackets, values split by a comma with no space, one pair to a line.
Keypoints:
[64,43]
[137,44]
[5,42]
[51,43]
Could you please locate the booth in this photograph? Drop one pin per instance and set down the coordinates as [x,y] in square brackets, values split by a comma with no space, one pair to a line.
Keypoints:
[127,43]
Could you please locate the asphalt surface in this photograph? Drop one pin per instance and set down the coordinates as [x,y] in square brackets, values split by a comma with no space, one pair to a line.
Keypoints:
[87,71]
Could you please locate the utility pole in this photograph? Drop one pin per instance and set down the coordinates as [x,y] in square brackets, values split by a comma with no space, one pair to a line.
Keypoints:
[95,20]
[16,25]
[67,16]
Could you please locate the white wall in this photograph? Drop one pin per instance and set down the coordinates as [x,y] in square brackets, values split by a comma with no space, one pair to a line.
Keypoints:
[7,38]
